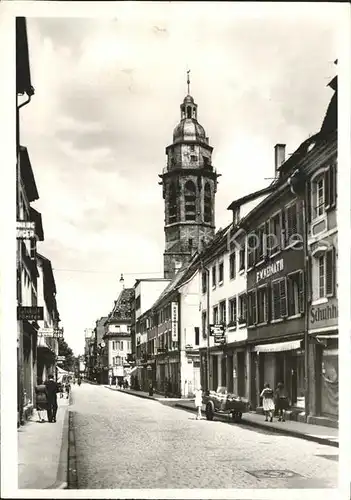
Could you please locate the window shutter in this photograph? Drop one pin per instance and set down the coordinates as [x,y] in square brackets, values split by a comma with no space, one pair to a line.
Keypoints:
[332,185]
[283,297]
[254,307]
[281,230]
[309,201]
[327,188]
[330,272]
[300,221]
[301,285]
[275,300]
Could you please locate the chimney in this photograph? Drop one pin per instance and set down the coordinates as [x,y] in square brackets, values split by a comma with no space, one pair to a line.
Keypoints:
[279,157]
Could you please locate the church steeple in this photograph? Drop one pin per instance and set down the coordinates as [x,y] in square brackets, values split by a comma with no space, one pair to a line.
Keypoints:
[189,185]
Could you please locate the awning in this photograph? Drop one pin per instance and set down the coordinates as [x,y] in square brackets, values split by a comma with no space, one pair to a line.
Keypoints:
[333,336]
[278,346]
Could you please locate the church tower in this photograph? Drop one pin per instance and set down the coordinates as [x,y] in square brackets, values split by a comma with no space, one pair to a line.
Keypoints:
[189,184]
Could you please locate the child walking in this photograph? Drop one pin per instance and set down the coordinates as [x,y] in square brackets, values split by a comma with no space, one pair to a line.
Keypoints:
[268,402]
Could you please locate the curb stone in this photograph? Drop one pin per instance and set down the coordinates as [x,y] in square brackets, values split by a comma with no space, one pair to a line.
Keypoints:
[62,472]
[72,477]
[287,432]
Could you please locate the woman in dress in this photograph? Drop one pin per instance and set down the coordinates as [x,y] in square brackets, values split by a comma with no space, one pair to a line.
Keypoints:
[268,402]
[41,400]
[281,401]
[198,403]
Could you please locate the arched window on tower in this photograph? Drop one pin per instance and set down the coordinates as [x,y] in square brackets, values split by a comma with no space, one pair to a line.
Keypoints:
[172,204]
[190,201]
[207,204]
[188,112]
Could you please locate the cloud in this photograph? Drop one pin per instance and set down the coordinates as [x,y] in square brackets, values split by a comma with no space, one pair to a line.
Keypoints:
[107,100]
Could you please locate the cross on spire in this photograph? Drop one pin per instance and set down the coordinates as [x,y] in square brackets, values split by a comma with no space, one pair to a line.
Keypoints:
[188,80]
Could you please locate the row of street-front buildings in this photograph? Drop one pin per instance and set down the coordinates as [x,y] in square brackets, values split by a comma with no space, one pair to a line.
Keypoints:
[252,303]
[37,313]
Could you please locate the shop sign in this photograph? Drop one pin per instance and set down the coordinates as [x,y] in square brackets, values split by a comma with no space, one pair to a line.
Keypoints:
[47,332]
[174,309]
[25,230]
[324,315]
[33,313]
[269,270]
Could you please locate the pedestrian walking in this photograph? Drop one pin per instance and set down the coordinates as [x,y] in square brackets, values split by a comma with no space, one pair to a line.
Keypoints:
[67,389]
[79,381]
[51,391]
[198,402]
[281,401]
[268,402]
[41,399]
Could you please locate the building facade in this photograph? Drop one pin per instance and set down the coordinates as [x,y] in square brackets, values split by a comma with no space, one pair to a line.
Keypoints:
[47,345]
[118,336]
[189,185]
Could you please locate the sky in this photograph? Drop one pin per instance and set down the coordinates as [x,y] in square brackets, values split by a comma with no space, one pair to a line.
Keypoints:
[107,97]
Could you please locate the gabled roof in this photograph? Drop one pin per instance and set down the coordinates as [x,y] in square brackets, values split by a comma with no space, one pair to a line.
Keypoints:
[250,197]
[122,310]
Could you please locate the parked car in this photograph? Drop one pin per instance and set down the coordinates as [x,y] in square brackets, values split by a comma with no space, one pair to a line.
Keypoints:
[222,402]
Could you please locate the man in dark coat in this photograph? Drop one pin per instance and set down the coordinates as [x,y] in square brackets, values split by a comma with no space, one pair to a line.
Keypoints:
[52,390]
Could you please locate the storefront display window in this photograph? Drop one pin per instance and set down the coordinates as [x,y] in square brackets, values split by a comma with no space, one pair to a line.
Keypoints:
[330,382]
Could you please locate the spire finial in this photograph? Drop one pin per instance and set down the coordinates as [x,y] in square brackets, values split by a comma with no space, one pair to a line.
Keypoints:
[188,80]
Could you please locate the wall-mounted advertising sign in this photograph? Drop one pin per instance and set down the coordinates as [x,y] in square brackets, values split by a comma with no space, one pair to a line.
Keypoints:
[33,313]
[174,310]
[269,270]
[47,332]
[25,230]
[324,315]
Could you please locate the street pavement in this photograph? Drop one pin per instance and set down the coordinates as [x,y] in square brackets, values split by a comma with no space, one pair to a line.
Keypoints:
[124,442]
[42,451]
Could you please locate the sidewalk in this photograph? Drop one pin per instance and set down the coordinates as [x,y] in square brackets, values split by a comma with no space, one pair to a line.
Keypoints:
[310,432]
[317,433]
[43,451]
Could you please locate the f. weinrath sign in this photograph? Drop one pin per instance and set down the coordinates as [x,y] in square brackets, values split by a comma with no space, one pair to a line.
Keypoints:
[270,270]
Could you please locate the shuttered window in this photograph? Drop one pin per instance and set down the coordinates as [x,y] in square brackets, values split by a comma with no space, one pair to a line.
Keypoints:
[251,308]
[295,293]
[223,312]
[232,263]
[242,308]
[262,303]
[232,311]
[291,223]
[330,187]
[261,242]
[251,249]
[274,234]
[279,299]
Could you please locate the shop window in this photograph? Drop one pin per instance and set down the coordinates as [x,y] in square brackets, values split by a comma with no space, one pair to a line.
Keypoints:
[242,259]
[232,262]
[214,276]
[262,305]
[279,299]
[204,282]
[215,315]
[274,243]
[252,308]
[190,201]
[242,308]
[295,293]
[232,312]
[223,312]
[207,203]
[172,203]
[204,324]
[220,273]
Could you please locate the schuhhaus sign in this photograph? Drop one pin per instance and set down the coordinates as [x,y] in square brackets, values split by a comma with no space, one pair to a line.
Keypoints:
[324,315]
[270,270]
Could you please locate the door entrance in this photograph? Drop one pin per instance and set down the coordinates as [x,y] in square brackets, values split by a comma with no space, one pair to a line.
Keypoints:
[241,373]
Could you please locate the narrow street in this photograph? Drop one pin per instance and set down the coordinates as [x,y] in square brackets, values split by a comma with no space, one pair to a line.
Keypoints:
[123,441]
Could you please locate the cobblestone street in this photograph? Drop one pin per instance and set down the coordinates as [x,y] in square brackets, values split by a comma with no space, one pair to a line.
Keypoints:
[127,442]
